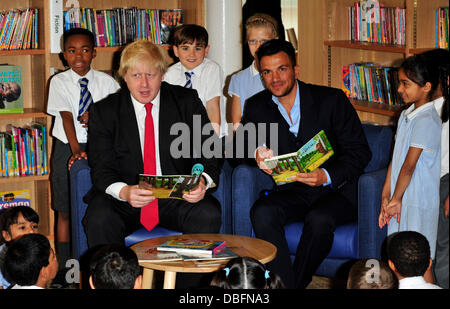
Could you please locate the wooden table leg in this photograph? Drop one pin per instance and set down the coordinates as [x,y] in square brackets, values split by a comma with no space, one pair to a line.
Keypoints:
[147,278]
[170,278]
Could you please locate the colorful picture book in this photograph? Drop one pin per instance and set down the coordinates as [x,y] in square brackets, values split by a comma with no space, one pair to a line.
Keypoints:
[11,89]
[169,20]
[192,246]
[151,254]
[169,186]
[223,254]
[14,198]
[309,157]
[19,29]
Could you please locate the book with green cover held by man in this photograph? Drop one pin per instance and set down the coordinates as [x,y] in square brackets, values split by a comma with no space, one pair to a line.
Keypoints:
[308,158]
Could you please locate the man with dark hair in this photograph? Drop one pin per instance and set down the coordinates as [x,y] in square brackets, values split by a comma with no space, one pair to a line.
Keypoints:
[409,258]
[30,262]
[115,267]
[324,198]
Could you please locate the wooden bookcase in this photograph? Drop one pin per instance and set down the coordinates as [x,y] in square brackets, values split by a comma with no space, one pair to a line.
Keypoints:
[34,75]
[36,64]
[324,46]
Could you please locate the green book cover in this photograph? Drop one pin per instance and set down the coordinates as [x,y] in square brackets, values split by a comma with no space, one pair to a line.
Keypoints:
[308,158]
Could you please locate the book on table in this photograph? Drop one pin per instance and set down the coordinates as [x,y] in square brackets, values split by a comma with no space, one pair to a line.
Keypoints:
[151,254]
[192,246]
[169,186]
[308,158]
[223,254]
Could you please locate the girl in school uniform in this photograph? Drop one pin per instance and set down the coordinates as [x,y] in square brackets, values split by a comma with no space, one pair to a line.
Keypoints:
[410,196]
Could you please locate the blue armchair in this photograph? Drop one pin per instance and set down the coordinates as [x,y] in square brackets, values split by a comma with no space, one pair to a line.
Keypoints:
[80,183]
[355,240]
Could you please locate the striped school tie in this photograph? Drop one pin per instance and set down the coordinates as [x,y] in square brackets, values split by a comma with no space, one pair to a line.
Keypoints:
[188,79]
[85,96]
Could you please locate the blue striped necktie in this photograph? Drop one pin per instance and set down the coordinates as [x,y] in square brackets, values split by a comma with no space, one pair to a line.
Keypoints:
[85,96]
[188,79]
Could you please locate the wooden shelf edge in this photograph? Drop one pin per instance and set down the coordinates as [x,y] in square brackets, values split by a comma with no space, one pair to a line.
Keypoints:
[366,46]
[27,113]
[22,52]
[18,179]
[377,108]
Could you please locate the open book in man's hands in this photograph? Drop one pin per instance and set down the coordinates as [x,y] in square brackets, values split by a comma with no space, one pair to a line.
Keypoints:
[172,186]
[308,158]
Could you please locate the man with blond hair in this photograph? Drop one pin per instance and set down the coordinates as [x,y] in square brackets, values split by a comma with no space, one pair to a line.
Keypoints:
[130,133]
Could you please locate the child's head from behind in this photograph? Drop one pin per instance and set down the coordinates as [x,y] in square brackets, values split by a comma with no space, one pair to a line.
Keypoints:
[260,28]
[30,260]
[371,274]
[408,253]
[79,49]
[246,273]
[190,45]
[17,221]
[115,267]
[417,83]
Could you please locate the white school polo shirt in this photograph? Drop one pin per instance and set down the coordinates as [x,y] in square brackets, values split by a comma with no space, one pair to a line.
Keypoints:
[64,95]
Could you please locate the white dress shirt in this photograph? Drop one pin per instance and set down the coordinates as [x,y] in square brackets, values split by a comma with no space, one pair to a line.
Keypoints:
[416,283]
[64,95]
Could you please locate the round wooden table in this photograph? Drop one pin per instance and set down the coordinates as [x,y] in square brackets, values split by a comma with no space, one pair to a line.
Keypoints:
[256,248]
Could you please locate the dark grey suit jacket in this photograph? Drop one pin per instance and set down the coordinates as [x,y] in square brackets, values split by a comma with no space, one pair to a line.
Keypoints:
[114,150]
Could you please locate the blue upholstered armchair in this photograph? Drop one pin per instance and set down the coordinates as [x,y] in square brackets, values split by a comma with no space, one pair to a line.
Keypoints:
[356,240]
[80,183]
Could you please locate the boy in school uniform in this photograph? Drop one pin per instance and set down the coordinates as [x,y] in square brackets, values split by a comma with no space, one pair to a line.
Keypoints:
[194,70]
[70,95]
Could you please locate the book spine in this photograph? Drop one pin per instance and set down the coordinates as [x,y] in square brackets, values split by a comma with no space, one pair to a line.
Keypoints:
[56,25]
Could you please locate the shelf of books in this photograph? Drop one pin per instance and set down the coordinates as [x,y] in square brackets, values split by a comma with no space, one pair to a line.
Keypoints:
[24,145]
[373,34]
[116,23]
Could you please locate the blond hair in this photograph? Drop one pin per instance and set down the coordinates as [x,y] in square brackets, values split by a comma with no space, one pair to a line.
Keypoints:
[262,20]
[142,50]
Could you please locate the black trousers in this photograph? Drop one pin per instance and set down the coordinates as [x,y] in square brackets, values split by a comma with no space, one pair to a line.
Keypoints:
[108,220]
[320,214]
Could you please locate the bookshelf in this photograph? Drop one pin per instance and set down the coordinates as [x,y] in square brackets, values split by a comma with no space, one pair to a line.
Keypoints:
[108,57]
[33,62]
[36,72]
[323,30]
